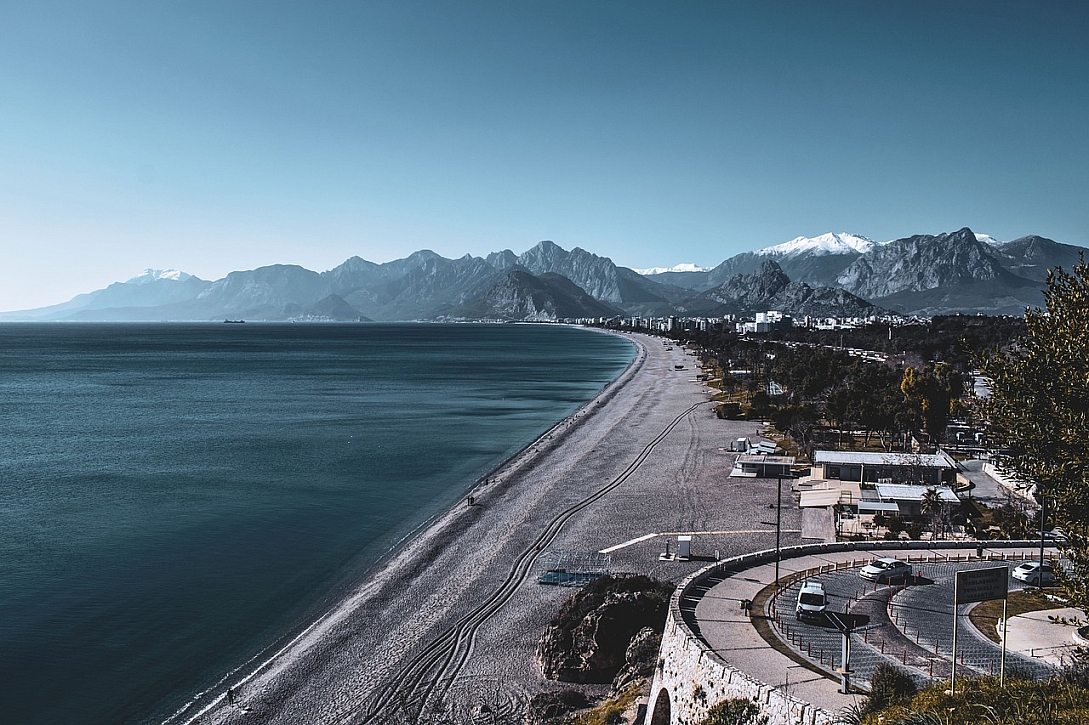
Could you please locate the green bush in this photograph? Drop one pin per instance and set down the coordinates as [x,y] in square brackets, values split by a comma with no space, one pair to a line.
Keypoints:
[735,711]
[888,685]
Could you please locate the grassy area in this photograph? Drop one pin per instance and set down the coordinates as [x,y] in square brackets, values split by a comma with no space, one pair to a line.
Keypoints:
[985,615]
[612,710]
[1020,702]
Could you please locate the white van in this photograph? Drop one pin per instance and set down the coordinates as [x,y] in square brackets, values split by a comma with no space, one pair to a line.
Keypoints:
[812,601]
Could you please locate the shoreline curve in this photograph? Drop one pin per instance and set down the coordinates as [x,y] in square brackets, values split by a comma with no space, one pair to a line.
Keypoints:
[209,705]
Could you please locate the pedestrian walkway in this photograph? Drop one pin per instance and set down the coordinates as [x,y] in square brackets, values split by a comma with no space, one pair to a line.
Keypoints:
[765,643]
[1043,635]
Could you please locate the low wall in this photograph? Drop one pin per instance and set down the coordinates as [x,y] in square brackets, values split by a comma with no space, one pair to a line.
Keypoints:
[691,677]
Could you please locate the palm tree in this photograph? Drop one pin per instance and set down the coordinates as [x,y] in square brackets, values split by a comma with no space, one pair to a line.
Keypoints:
[934,507]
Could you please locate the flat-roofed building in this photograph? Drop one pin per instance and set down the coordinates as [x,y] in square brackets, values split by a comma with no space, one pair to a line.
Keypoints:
[750,465]
[869,467]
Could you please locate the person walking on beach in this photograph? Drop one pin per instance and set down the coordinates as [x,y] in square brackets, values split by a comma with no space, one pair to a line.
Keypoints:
[230,695]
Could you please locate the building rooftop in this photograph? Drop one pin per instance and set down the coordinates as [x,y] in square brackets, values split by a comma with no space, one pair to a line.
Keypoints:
[905,492]
[940,459]
[760,458]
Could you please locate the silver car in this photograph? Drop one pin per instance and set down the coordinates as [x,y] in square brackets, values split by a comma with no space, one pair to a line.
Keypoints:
[884,570]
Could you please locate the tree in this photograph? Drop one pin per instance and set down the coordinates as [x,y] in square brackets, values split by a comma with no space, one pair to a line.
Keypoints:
[799,422]
[932,393]
[934,508]
[1039,409]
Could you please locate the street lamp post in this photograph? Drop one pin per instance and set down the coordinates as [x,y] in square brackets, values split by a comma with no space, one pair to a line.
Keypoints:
[1043,512]
[778,524]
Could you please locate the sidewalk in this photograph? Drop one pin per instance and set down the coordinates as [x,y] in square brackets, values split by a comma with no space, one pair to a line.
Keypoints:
[1034,635]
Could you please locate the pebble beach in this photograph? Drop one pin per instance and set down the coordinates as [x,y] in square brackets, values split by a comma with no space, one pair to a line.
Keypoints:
[456,612]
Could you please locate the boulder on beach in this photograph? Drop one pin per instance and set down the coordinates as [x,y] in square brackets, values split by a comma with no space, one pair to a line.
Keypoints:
[589,639]
[553,708]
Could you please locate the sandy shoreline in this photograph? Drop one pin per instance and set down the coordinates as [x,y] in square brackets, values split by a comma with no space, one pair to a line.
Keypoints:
[460,602]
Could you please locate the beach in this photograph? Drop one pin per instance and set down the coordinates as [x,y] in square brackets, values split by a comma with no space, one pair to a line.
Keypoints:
[457,611]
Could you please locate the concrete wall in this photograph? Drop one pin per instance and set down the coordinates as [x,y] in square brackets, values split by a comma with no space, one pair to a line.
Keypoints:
[691,677]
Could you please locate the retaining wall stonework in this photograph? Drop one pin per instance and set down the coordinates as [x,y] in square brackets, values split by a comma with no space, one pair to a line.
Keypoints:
[691,677]
[694,679]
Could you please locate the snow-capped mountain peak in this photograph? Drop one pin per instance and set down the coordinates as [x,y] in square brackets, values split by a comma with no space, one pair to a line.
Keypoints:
[684,267]
[830,243]
[150,275]
[987,239]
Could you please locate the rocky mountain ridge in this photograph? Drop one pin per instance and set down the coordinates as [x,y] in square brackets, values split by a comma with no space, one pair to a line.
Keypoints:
[831,275]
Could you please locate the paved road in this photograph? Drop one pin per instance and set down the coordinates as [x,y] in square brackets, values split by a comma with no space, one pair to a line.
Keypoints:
[911,627]
[990,491]
[804,657]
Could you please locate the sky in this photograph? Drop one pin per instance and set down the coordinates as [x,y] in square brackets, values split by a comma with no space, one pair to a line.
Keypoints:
[211,136]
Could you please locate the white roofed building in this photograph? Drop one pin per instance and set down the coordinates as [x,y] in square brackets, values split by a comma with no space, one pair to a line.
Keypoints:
[933,469]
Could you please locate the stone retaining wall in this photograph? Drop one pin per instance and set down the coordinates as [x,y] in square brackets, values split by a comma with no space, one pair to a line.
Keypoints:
[691,677]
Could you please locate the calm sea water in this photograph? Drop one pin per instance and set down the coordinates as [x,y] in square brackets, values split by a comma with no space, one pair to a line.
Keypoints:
[174,498]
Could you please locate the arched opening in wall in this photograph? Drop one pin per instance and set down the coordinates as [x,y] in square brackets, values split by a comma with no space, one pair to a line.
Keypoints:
[661,714]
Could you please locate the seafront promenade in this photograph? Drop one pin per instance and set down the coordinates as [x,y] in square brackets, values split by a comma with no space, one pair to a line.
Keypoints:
[794,668]
[459,603]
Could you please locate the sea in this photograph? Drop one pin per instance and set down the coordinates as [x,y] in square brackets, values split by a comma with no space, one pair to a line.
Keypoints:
[176,499]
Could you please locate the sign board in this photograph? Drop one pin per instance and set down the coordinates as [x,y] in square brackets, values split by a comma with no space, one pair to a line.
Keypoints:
[846,622]
[980,585]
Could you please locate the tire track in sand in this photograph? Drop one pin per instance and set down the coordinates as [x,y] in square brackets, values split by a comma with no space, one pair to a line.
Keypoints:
[429,676]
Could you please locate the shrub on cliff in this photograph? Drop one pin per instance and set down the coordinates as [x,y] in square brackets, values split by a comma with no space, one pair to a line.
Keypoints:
[735,711]
[588,640]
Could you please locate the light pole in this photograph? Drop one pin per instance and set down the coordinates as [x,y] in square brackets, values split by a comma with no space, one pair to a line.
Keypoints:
[1040,573]
[778,524]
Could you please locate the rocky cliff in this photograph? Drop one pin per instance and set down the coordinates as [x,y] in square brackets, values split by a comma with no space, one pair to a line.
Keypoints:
[589,639]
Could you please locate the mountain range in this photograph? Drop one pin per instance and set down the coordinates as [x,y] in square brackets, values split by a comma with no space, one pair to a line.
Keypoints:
[830,275]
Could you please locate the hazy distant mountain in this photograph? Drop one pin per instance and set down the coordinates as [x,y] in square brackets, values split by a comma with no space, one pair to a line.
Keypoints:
[275,292]
[597,276]
[769,288]
[122,301]
[333,308]
[684,267]
[152,275]
[420,286]
[826,275]
[1030,257]
[522,296]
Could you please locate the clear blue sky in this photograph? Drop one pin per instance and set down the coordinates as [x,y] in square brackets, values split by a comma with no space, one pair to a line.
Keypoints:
[214,136]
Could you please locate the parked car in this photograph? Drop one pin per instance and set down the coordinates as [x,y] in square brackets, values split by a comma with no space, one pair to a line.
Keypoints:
[1034,573]
[812,601]
[885,570]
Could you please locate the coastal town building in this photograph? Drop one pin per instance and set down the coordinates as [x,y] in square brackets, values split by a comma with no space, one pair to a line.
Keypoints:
[761,465]
[868,467]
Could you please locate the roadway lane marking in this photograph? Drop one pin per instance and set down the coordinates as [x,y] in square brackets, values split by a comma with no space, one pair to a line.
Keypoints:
[646,537]
[611,549]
